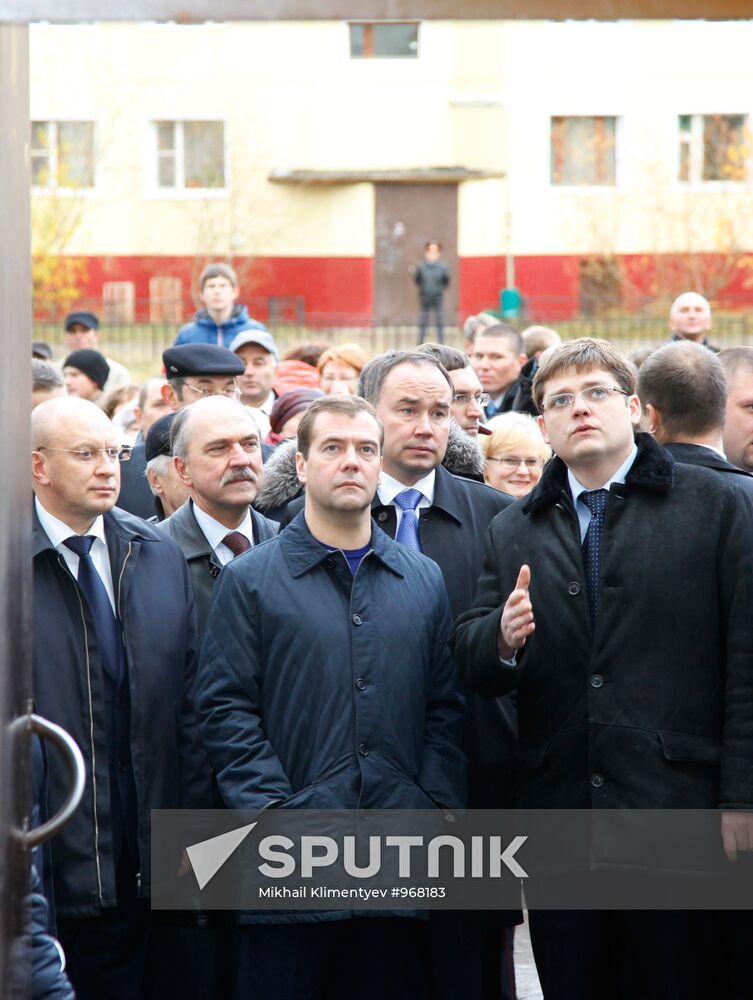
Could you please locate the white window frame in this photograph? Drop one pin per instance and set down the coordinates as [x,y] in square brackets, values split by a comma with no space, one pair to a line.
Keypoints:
[180,191]
[695,181]
[52,186]
[619,155]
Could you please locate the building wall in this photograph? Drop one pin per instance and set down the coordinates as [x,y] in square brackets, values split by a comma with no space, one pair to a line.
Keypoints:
[480,95]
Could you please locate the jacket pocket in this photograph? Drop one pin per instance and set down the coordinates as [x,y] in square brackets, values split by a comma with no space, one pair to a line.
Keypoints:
[690,749]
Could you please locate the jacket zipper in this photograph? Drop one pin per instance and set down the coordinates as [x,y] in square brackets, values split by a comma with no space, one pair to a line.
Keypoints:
[91,729]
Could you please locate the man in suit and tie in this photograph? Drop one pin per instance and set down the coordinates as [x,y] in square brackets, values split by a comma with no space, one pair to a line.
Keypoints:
[683,390]
[217,456]
[114,662]
[628,696]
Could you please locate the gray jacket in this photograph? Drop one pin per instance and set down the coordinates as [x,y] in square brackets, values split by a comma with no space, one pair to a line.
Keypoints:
[203,566]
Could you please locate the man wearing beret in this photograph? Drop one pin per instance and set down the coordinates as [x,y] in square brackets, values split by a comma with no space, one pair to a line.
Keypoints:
[193,371]
[169,492]
[82,332]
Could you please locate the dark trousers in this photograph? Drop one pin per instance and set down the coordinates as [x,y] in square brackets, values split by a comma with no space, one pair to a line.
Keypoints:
[619,955]
[423,321]
[106,955]
[471,954]
[372,958]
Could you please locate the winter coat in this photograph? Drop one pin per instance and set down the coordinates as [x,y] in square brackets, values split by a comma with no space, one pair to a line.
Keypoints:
[653,709]
[155,606]
[323,690]
[432,277]
[204,330]
[203,566]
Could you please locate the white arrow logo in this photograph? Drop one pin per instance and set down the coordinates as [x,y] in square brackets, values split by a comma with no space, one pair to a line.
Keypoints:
[208,856]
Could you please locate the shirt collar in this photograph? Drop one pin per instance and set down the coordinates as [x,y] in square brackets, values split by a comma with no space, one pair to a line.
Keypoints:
[57,531]
[216,532]
[389,487]
[576,488]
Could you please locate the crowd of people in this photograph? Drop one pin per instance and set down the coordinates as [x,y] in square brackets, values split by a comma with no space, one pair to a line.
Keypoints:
[514,574]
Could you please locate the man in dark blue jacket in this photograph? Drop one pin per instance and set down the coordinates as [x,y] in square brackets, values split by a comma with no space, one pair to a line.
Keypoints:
[114,662]
[221,319]
[326,682]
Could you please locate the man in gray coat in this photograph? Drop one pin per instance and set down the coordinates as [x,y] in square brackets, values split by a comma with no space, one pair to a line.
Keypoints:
[217,455]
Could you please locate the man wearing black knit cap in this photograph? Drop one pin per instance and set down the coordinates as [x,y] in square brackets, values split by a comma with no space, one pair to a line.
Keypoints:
[85,373]
[193,371]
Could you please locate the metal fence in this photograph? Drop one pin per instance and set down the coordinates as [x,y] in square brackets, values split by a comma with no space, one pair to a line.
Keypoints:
[139,345]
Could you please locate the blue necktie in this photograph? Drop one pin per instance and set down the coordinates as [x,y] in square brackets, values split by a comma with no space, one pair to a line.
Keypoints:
[407,533]
[596,501]
[105,623]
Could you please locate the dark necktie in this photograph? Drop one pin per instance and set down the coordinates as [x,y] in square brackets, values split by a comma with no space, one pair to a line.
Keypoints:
[407,533]
[93,589]
[596,501]
[237,542]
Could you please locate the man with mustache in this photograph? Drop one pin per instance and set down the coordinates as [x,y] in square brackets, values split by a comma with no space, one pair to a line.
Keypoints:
[217,455]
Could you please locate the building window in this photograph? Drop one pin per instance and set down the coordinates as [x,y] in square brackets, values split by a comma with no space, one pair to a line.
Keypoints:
[583,151]
[62,154]
[384,40]
[190,155]
[713,148]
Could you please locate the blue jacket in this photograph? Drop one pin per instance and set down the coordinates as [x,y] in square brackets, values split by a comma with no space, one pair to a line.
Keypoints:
[204,330]
[155,605]
[317,689]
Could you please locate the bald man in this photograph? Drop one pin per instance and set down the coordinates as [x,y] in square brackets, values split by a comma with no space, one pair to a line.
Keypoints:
[690,319]
[114,658]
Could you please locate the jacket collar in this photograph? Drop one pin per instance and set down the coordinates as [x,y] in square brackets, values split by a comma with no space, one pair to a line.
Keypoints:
[701,455]
[652,470]
[445,495]
[118,523]
[303,552]
[185,530]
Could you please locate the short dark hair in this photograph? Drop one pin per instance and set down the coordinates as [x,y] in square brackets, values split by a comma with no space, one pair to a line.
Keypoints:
[451,359]
[375,372]
[349,406]
[737,360]
[44,377]
[584,354]
[506,332]
[686,384]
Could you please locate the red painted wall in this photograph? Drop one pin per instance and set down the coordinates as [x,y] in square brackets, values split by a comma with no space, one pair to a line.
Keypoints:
[337,291]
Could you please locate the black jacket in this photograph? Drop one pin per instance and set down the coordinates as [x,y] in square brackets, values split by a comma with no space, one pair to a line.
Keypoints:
[653,710]
[203,567]
[707,458]
[155,606]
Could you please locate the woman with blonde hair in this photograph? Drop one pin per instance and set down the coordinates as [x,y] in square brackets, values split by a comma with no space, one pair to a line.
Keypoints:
[515,453]
[339,368]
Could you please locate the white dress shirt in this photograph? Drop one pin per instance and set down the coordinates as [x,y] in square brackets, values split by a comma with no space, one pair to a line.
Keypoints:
[57,532]
[389,488]
[214,532]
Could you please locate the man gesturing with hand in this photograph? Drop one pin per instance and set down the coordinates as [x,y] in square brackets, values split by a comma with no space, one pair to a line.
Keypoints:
[635,683]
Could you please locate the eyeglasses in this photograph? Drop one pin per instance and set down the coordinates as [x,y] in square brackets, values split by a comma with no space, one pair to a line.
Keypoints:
[464,398]
[594,394]
[122,453]
[513,463]
[229,392]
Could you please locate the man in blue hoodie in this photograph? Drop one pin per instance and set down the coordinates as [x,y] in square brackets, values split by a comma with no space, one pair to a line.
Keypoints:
[221,319]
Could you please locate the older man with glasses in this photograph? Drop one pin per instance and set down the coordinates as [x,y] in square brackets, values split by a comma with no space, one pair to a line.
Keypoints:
[193,372]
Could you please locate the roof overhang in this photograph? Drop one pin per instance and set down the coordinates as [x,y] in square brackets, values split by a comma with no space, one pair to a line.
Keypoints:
[409,175]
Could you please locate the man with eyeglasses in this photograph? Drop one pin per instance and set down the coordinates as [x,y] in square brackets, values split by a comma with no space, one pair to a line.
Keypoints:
[114,657]
[615,600]
[193,371]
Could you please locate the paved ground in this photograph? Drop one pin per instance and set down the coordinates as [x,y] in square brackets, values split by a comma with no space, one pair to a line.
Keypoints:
[527,982]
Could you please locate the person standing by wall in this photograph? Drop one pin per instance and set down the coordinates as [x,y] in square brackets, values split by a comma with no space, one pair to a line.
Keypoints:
[432,276]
